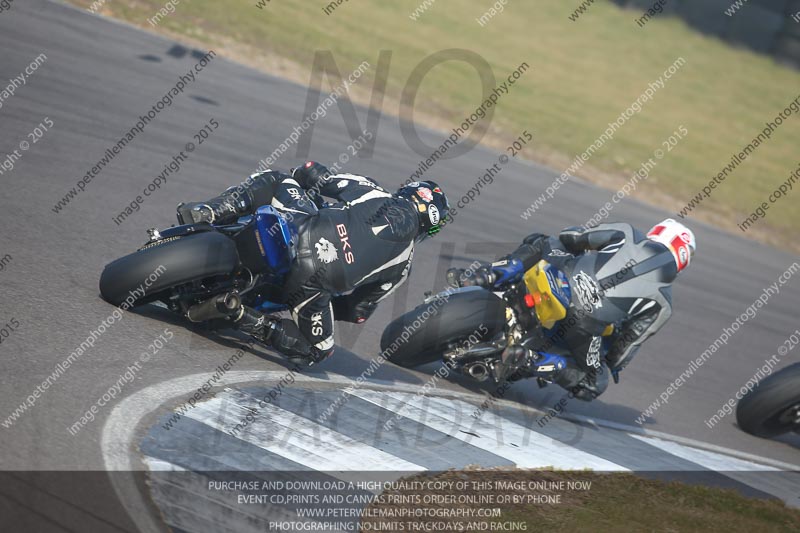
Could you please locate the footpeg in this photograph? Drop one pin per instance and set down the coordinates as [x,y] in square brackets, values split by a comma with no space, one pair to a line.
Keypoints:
[221,306]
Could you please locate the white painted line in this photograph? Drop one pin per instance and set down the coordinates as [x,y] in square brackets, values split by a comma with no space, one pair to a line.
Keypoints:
[295,437]
[523,446]
[635,430]
[120,447]
[705,458]
[159,465]
[782,485]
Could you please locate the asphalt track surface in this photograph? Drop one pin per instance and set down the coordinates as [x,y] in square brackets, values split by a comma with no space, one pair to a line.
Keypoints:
[98,78]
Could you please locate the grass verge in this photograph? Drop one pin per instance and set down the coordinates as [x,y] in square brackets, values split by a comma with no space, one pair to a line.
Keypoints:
[575,501]
[584,74]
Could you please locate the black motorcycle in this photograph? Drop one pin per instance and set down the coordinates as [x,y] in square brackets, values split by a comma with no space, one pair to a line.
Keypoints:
[205,271]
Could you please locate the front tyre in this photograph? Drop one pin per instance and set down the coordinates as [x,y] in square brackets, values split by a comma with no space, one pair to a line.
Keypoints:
[422,335]
[773,407]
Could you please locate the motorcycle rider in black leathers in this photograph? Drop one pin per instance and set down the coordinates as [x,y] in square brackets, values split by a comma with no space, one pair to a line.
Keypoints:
[618,276]
[350,254]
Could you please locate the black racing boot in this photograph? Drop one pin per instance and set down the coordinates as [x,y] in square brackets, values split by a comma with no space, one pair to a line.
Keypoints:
[219,210]
[513,359]
[256,324]
[235,202]
[281,334]
[454,277]
[582,384]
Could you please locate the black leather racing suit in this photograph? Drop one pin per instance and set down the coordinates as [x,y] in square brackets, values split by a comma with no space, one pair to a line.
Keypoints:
[618,277]
[351,254]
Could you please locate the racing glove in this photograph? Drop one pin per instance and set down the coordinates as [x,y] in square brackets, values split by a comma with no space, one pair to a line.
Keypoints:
[311,176]
[495,276]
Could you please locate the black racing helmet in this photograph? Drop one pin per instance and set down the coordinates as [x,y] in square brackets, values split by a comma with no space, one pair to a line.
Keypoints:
[431,204]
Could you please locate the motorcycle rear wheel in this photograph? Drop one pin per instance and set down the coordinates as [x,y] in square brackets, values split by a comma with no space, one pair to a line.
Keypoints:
[773,407]
[166,265]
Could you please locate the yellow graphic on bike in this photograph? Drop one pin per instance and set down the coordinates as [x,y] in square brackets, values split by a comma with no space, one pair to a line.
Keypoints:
[549,292]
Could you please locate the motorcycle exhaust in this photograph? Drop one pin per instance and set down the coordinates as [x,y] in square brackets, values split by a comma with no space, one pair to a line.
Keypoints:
[478,371]
[221,306]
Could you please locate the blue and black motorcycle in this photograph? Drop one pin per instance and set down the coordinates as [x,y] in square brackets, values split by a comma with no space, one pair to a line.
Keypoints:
[204,271]
[487,335]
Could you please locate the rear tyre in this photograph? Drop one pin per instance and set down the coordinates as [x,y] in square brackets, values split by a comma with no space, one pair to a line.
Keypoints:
[773,407]
[165,265]
[422,335]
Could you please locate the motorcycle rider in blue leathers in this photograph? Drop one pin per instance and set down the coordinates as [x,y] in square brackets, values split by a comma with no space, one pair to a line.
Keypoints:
[619,277]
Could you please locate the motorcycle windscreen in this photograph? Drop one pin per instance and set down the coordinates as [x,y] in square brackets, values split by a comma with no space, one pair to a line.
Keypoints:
[551,292]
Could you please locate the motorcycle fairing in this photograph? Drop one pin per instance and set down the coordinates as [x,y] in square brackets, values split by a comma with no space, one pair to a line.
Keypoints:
[548,363]
[277,239]
[551,292]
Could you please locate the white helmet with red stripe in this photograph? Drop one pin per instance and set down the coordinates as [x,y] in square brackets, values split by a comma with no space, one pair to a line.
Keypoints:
[677,238]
